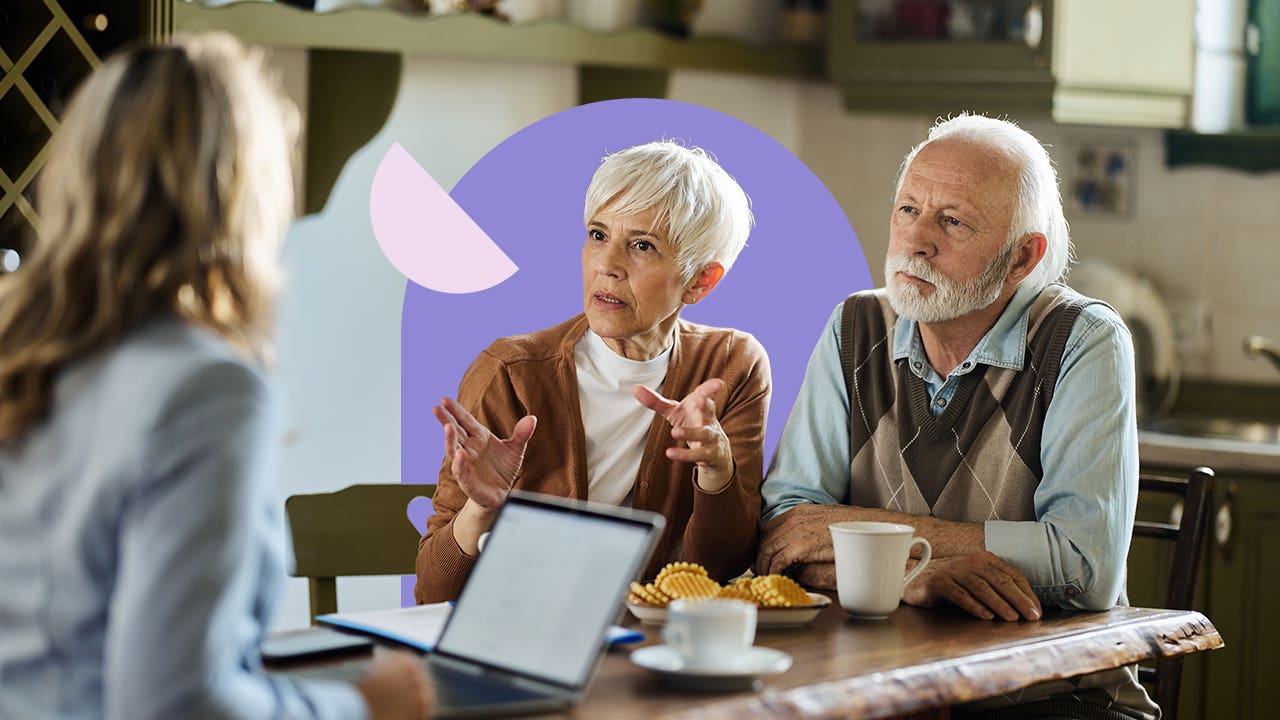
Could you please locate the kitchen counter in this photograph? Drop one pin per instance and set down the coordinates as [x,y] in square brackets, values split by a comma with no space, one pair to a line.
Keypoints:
[1231,457]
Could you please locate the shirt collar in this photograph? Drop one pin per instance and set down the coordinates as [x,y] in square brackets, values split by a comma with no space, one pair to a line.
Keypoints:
[1004,345]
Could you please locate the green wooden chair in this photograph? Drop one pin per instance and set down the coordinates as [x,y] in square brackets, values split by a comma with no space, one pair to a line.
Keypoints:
[359,530]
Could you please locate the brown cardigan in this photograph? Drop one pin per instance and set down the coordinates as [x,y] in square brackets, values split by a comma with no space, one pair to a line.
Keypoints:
[535,375]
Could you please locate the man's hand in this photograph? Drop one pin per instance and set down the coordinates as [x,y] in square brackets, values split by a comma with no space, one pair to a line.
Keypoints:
[799,535]
[982,584]
[693,421]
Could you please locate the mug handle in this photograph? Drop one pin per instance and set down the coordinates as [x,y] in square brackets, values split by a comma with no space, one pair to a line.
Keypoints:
[924,559]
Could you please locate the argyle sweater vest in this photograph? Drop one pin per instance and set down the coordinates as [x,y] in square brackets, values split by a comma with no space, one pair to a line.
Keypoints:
[980,458]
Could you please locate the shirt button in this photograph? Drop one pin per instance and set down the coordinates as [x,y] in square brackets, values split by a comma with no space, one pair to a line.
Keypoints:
[965,365]
[1072,591]
[644,484]
[940,402]
[917,364]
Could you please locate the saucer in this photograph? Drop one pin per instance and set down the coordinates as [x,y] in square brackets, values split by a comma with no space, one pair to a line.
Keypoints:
[666,663]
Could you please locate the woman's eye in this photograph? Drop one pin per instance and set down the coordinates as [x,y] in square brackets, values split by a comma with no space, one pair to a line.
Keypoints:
[953,222]
[643,245]
[595,234]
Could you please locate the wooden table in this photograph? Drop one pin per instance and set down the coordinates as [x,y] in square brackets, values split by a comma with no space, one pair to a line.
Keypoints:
[914,661]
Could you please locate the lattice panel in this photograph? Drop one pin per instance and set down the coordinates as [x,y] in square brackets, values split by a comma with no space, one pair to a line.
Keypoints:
[46,48]
[43,58]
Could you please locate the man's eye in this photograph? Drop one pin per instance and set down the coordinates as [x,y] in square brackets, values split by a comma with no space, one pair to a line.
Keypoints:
[954,222]
[906,209]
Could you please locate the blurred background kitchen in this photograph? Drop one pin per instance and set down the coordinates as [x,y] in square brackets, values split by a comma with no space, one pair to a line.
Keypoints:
[1162,115]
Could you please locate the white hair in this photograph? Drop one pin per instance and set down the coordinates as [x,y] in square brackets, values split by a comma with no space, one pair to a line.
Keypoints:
[1039,203]
[706,214]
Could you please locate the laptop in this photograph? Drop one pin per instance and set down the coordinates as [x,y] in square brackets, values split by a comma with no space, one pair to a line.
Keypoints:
[529,628]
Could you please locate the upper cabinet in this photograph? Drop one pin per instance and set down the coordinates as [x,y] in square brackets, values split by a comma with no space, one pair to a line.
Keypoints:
[1107,62]
[470,35]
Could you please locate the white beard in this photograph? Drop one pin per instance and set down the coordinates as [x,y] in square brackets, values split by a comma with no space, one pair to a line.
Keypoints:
[950,299]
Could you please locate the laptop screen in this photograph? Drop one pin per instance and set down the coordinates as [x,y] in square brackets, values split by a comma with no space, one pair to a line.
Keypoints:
[545,588]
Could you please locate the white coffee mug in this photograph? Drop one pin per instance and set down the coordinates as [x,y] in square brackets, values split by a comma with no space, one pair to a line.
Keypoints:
[871,559]
[710,634]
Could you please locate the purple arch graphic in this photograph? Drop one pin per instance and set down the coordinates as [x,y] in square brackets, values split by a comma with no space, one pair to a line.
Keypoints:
[527,194]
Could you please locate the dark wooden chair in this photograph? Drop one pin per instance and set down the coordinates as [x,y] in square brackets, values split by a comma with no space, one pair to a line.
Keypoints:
[359,530]
[1187,536]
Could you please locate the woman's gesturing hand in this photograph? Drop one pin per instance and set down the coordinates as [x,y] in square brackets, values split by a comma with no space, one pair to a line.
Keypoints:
[485,465]
[693,421]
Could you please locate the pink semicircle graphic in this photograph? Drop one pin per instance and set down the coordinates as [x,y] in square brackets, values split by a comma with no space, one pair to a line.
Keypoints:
[427,236]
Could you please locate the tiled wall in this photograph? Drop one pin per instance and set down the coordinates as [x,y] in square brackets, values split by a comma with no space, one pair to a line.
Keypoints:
[1204,236]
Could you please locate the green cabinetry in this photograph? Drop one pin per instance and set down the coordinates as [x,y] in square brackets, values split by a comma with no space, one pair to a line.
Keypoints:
[1242,589]
[1238,586]
[1078,61]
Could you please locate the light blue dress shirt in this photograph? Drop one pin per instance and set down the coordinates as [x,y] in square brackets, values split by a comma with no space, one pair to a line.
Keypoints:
[1074,553]
[141,546]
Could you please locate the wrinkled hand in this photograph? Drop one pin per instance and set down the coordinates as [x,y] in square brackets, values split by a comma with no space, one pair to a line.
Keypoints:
[799,535]
[693,421]
[397,688]
[485,465]
[982,584]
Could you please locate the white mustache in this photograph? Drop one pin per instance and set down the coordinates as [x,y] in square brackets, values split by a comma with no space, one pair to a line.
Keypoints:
[916,266]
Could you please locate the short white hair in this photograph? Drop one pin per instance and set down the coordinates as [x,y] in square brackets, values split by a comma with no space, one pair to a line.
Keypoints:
[1039,202]
[706,214]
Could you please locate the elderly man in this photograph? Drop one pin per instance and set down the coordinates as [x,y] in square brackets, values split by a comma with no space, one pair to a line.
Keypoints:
[977,400]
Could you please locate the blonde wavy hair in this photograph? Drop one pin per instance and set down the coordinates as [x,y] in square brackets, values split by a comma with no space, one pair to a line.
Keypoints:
[167,190]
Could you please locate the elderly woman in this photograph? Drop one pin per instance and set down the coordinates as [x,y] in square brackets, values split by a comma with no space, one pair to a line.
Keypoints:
[141,543]
[584,405]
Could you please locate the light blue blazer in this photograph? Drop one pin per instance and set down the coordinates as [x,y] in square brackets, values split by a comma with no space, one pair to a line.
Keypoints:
[141,546]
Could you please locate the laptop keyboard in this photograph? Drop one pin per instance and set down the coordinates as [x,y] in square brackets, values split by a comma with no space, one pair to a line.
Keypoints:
[460,689]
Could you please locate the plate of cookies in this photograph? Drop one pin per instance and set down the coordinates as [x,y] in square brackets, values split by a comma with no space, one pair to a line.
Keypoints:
[779,600]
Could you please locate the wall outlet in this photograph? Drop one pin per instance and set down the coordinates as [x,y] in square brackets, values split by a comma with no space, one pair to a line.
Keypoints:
[1100,177]
[1192,326]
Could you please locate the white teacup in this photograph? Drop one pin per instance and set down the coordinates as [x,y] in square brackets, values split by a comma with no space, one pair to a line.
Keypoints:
[871,558]
[710,634]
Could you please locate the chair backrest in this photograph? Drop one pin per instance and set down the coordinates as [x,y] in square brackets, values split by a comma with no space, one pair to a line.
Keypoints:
[359,530]
[1196,493]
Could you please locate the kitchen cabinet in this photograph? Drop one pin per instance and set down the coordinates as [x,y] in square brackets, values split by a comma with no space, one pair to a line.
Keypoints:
[1243,585]
[469,35]
[1237,587]
[1263,47]
[355,62]
[1078,61]
[1255,148]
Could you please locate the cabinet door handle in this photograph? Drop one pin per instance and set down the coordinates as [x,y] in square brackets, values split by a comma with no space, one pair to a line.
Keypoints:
[1222,524]
[1033,27]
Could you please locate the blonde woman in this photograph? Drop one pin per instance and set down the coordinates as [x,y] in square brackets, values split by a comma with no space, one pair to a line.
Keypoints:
[140,547]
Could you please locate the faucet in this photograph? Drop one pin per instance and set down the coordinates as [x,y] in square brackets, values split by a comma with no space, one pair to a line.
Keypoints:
[1258,346]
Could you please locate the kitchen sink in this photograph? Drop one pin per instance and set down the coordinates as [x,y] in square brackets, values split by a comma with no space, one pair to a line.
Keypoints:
[1217,428]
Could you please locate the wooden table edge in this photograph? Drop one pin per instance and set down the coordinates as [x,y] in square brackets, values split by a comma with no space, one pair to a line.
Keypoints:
[950,681]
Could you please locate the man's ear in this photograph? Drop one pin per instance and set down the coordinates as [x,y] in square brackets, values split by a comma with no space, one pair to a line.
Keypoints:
[703,283]
[1027,257]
